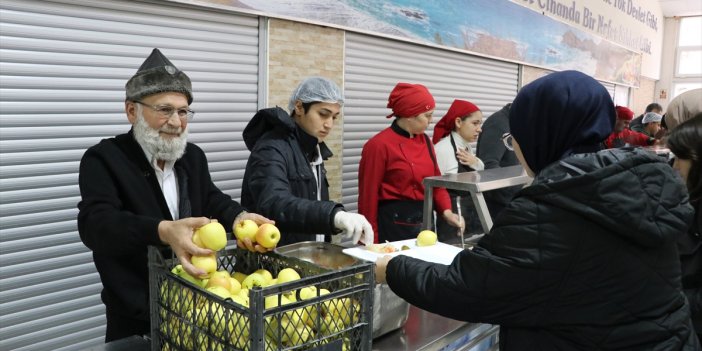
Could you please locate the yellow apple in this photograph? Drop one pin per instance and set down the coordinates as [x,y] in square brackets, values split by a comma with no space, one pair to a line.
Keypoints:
[254,279]
[246,229]
[244,293]
[345,310]
[213,236]
[206,263]
[234,286]
[266,274]
[268,235]
[179,271]
[220,278]
[300,336]
[237,326]
[219,291]
[287,275]
[426,238]
[240,300]
[308,292]
[330,326]
[239,276]
[196,240]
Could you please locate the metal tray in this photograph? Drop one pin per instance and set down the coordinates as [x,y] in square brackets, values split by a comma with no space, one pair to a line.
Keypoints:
[390,312]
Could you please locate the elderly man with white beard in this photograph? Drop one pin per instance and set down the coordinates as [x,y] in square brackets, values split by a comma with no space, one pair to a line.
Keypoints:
[148,187]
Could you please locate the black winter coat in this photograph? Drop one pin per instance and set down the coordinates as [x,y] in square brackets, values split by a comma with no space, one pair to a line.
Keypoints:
[120,209]
[279,183]
[583,259]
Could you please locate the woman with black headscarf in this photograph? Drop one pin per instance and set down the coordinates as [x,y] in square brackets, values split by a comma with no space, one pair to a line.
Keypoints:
[585,257]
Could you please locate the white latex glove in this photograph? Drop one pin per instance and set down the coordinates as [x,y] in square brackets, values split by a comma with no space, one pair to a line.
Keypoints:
[354,225]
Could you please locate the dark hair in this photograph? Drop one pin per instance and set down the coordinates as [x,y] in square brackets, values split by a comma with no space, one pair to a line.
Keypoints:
[685,141]
[654,106]
[305,107]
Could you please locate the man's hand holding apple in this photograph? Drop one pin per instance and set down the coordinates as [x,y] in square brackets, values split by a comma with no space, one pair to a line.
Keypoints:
[248,239]
[178,235]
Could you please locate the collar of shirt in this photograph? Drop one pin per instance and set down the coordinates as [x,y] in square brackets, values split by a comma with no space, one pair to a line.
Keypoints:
[396,128]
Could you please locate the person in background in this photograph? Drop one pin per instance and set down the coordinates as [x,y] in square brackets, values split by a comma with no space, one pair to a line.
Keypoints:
[652,125]
[622,136]
[452,136]
[147,187]
[393,165]
[285,178]
[636,124]
[683,107]
[685,141]
[495,154]
[561,268]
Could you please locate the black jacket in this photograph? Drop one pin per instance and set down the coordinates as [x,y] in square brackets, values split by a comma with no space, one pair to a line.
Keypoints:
[492,151]
[690,247]
[120,209]
[279,183]
[583,259]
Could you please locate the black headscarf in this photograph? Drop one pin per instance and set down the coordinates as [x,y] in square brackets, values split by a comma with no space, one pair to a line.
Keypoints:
[558,115]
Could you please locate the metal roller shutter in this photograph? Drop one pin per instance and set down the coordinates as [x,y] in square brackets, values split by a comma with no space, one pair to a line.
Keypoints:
[374,65]
[63,66]
[610,88]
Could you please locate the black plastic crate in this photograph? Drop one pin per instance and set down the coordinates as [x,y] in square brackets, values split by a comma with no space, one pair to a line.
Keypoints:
[187,317]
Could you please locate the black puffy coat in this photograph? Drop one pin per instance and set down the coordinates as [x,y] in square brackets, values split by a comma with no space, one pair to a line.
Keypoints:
[279,183]
[583,259]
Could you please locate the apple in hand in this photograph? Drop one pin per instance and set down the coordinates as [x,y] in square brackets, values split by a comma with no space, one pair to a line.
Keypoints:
[206,263]
[426,238]
[212,235]
[268,235]
[246,229]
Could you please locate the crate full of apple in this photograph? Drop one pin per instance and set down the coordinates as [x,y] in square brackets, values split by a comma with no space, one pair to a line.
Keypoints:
[252,301]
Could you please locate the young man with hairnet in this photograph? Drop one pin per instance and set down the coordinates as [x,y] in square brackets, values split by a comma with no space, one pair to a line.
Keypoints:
[285,177]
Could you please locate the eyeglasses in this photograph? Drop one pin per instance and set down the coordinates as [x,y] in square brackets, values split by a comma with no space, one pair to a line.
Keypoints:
[507,140]
[166,111]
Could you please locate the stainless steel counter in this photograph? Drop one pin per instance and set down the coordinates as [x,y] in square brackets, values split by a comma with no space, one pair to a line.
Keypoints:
[426,331]
[476,183]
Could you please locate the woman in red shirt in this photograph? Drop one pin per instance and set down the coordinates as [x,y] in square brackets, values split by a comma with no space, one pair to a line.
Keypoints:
[393,164]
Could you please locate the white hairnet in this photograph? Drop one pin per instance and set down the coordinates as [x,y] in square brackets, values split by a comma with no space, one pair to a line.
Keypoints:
[316,89]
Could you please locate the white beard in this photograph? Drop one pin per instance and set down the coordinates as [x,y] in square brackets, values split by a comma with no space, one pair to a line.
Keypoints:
[160,148]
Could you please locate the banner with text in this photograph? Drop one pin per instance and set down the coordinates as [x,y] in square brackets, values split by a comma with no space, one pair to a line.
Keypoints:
[561,38]
[635,24]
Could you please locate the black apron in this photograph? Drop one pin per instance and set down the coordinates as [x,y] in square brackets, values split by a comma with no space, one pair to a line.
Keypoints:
[399,219]
[447,232]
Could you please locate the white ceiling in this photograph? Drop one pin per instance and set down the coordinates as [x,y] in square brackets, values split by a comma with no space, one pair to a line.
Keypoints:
[672,8]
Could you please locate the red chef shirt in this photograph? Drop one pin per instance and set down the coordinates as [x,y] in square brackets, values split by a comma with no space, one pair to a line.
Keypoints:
[392,167]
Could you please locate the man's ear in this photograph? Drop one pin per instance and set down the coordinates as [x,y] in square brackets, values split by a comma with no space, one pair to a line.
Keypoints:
[131,110]
[299,110]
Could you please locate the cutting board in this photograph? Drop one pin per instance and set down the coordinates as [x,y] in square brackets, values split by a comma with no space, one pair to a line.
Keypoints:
[438,253]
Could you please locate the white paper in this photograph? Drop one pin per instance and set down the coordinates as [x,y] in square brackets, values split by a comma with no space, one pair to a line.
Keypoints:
[439,253]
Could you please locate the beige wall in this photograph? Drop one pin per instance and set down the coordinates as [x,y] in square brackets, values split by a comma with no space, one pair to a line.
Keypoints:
[294,54]
[530,74]
[643,95]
